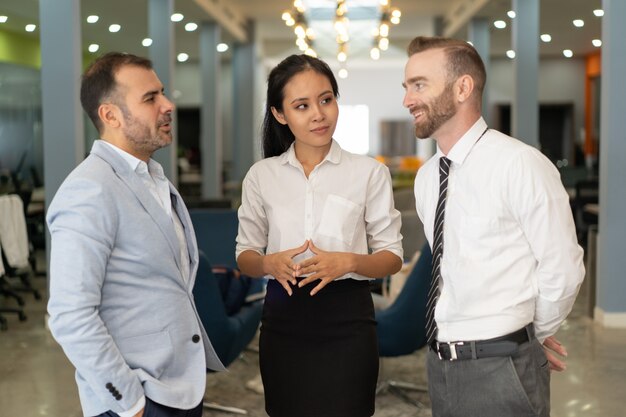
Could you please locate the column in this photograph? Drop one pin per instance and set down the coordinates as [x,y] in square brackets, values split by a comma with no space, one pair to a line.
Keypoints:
[611,262]
[161,31]
[479,37]
[243,108]
[210,112]
[525,108]
[61,63]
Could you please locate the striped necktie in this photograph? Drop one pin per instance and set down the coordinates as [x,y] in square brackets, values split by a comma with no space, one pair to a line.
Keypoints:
[433,292]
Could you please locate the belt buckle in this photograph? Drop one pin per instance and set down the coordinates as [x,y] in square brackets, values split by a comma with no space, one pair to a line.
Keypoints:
[452,346]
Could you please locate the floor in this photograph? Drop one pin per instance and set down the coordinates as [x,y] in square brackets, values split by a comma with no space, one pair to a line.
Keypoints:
[37,380]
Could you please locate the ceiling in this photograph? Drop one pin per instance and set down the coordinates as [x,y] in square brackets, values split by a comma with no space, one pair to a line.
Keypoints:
[556,18]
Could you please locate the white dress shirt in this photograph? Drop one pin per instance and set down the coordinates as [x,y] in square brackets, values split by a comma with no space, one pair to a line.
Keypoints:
[510,253]
[345,205]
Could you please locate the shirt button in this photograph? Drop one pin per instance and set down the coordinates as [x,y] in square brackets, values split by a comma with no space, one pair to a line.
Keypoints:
[195,338]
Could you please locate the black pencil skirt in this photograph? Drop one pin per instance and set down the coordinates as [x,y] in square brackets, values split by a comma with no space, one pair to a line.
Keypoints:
[319,354]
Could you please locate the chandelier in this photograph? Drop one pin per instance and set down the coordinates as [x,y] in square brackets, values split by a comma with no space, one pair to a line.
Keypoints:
[379,12]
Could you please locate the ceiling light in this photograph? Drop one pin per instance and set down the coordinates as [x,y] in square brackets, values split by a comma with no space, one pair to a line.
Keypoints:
[30,28]
[375,53]
[511,14]
[146,42]
[546,37]
[93,47]
[221,47]
[92,19]
[598,12]
[510,53]
[597,43]
[500,24]
[578,23]
[182,57]
[343,73]
[383,44]
[114,28]
[177,17]
[567,53]
[3,19]
[191,26]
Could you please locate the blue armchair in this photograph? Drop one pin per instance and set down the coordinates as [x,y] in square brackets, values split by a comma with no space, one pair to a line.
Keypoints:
[229,334]
[402,326]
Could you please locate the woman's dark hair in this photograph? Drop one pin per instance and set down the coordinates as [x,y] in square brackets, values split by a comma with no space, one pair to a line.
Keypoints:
[98,82]
[277,137]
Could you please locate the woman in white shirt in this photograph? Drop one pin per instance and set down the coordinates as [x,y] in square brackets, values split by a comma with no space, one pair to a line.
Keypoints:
[321,222]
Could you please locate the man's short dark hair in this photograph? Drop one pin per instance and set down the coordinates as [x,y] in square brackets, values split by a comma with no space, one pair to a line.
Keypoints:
[462,58]
[98,81]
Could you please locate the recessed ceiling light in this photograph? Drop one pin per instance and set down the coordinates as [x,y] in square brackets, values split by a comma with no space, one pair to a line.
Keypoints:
[114,28]
[546,37]
[510,53]
[221,47]
[182,57]
[343,73]
[177,17]
[375,53]
[30,28]
[578,23]
[92,19]
[146,42]
[597,43]
[511,14]
[567,53]
[3,19]
[598,12]
[500,24]
[93,47]
[191,26]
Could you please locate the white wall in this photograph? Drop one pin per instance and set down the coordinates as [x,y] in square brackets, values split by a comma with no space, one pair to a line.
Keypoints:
[560,81]
[379,85]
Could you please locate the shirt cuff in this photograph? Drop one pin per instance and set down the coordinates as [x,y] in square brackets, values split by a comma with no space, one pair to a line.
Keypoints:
[135,409]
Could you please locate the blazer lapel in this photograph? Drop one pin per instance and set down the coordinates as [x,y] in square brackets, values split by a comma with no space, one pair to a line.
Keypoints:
[190,236]
[129,177]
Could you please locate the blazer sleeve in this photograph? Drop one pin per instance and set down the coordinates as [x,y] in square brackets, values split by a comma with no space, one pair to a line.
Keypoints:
[82,220]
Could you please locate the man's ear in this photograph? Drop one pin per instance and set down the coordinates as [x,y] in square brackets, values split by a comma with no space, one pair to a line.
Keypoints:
[278,116]
[110,115]
[465,87]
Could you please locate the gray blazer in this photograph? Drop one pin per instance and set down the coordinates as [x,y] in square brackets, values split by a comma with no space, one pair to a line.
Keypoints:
[119,305]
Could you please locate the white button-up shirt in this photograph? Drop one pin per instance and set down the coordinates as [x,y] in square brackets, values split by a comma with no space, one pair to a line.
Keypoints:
[345,205]
[510,253]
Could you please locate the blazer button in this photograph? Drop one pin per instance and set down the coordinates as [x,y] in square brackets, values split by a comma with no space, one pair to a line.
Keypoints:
[195,338]
[118,397]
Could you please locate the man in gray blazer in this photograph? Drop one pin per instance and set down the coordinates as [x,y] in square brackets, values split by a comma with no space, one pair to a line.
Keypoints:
[124,257]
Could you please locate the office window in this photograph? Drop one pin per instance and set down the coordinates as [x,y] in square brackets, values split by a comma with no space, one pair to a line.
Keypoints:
[352,131]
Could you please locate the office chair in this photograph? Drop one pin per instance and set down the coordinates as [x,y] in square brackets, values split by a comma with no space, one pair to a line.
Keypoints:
[216,233]
[6,291]
[402,326]
[229,334]
[16,249]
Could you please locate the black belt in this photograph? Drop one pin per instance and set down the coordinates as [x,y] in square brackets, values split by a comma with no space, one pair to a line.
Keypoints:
[506,345]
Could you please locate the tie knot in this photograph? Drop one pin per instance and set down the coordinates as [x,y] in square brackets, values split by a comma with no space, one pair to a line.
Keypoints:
[444,166]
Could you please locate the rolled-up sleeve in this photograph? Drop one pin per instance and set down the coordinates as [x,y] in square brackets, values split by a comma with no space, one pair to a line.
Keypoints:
[382,219]
[253,225]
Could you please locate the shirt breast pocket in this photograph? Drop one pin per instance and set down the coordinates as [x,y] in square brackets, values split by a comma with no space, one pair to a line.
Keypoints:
[339,218]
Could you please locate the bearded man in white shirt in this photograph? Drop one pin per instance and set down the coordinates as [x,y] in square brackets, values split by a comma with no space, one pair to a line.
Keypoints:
[507,266]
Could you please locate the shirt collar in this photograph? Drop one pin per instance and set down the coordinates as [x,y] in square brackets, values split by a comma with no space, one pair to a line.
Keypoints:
[137,165]
[289,156]
[462,148]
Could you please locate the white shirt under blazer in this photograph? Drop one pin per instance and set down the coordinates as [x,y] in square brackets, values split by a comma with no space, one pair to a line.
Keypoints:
[510,255]
[345,205]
